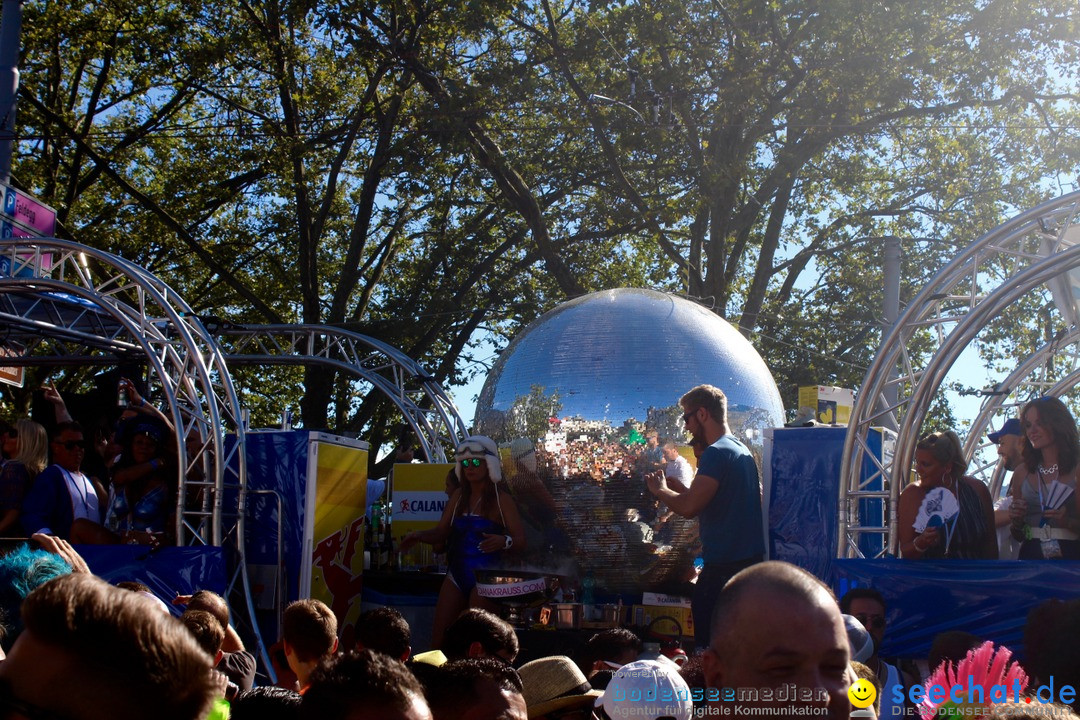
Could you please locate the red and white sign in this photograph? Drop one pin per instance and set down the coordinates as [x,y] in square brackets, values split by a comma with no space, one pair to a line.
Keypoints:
[11,375]
[412,505]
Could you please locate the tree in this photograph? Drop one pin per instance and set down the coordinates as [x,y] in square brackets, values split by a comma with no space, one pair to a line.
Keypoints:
[323,195]
[437,174]
[757,143]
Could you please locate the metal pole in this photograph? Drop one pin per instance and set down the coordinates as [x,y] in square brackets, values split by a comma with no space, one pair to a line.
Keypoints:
[10,30]
[891,271]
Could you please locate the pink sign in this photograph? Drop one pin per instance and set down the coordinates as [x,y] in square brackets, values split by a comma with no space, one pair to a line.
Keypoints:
[34,215]
[9,230]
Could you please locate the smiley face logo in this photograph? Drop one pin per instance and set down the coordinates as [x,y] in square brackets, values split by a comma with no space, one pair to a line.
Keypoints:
[862,693]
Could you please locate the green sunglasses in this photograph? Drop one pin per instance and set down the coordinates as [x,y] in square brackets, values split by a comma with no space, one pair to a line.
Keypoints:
[472,462]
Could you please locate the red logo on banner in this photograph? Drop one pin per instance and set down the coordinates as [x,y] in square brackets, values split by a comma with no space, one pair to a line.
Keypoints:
[334,557]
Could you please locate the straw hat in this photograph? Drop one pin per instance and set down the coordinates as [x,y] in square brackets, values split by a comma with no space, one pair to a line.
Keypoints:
[431,657]
[555,683]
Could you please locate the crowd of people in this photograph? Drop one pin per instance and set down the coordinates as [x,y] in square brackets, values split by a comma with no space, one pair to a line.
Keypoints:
[595,459]
[780,644]
[771,639]
[112,481]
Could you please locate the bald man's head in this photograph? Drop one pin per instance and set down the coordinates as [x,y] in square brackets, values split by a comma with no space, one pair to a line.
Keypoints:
[778,579]
[776,625]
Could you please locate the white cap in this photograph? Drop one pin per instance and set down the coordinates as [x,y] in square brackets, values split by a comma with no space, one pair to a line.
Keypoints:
[859,640]
[479,446]
[647,689]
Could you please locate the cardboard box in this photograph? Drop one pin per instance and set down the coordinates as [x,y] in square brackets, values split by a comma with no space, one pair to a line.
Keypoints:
[644,615]
[833,403]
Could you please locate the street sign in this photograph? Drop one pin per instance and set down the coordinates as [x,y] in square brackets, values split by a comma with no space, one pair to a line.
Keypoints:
[29,212]
[11,375]
[10,229]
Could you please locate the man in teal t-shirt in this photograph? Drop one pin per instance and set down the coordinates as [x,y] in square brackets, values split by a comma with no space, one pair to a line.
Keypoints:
[725,496]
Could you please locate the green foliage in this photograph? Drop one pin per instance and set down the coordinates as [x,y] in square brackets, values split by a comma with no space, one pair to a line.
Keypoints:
[529,415]
[437,174]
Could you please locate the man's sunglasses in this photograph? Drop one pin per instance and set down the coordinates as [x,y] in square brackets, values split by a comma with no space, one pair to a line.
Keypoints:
[875,622]
[72,444]
[472,462]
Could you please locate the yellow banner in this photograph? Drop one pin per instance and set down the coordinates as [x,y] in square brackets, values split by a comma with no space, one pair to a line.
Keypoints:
[419,497]
[337,562]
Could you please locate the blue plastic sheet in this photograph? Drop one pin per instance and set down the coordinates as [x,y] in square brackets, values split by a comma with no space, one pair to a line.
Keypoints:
[988,598]
[277,466]
[804,483]
[168,571]
[277,470]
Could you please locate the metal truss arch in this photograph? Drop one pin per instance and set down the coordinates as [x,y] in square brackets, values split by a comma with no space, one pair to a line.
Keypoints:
[66,304]
[423,403]
[68,291]
[1036,249]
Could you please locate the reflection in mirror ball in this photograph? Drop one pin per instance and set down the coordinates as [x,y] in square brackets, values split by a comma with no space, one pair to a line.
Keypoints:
[574,403]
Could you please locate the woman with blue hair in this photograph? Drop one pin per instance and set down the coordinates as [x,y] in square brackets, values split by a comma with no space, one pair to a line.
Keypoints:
[23,570]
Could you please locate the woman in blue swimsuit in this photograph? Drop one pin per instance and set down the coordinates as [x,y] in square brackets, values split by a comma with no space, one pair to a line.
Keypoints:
[479,524]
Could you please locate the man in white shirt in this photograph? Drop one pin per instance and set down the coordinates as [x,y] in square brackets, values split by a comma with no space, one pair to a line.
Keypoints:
[1010,442]
[62,494]
[677,469]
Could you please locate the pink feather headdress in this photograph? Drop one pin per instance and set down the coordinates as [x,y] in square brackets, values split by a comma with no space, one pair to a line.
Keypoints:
[986,667]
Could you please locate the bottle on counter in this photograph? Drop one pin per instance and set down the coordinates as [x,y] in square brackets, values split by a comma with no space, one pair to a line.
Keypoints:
[376,536]
[369,544]
[588,596]
[387,547]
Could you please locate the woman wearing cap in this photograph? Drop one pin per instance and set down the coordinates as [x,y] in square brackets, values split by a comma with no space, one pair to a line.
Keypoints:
[970,533]
[27,444]
[479,523]
[142,496]
[1043,514]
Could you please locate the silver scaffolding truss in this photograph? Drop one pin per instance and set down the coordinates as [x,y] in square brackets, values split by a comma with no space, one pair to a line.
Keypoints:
[419,397]
[65,303]
[1037,251]
[62,303]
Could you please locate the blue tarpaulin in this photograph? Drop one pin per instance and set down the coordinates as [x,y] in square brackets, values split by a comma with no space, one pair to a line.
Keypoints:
[988,598]
[168,571]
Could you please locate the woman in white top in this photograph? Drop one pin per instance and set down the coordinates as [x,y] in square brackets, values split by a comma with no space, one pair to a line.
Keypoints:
[1046,525]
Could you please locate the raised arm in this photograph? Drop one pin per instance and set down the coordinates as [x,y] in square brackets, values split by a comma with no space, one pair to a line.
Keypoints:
[688,503]
[137,403]
[59,406]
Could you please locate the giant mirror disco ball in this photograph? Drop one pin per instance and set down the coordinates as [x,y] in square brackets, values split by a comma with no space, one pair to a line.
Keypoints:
[573,402]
